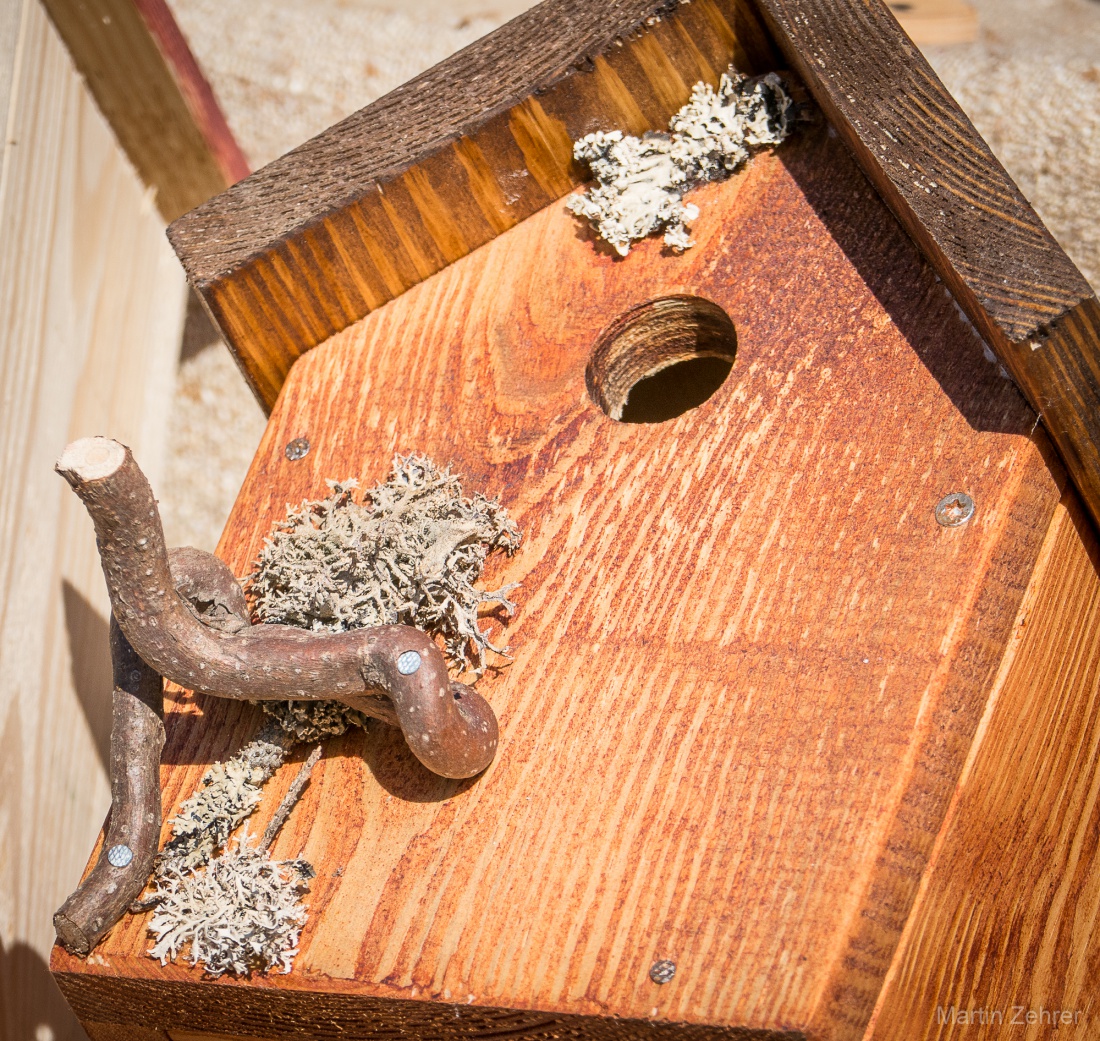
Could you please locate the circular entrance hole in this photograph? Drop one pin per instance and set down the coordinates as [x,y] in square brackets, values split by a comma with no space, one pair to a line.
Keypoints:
[661,359]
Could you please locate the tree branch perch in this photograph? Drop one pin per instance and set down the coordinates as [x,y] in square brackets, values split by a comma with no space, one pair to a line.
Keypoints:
[184,615]
[388,669]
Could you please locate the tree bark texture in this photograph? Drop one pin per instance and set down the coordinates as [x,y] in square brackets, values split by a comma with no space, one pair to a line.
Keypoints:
[137,737]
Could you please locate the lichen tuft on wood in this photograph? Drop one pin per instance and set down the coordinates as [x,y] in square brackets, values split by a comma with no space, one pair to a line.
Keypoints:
[241,913]
[408,551]
[227,794]
[641,182]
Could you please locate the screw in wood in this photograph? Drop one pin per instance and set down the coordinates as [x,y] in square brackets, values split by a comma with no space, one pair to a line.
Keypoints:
[120,856]
[954,509]
[297,449]
[662,971]
[408,662]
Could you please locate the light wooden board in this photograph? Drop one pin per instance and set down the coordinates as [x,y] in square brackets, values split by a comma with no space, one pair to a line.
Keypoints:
[91,305]
[936,23]
[150,88]
[748,662]
[1006,934]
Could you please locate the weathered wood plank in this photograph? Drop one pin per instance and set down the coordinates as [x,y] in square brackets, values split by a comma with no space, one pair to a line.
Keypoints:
[950,193]
[147,83]
[279,1014]
[317,239]
[1006,933]
[748,661]
[91,309]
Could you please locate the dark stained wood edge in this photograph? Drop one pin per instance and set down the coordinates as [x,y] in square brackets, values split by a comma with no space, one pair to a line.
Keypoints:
[937,175]
[334,229]
[929,163]
[449,101]
[151,90]
[242,1008]
[196,90]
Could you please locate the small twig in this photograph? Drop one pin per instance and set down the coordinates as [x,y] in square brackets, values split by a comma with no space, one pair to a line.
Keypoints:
[294,793]
[137,736]
[213,595]
[185,617]
[451,736]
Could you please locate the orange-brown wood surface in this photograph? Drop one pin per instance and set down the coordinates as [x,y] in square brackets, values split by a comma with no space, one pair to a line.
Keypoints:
[1037,312]
[1005,937]
[748,663]
[395,192]
[411,183]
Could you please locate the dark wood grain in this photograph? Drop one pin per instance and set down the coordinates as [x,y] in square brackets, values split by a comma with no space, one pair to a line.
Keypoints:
[748,662]
[951,194]
[183,1013]
[147,83]
[334,229]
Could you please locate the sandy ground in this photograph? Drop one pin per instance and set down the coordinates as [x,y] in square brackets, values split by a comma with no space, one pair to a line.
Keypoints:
[284,71]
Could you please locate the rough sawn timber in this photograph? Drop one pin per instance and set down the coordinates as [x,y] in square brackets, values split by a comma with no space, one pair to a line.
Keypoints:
[748,665]
[92,305]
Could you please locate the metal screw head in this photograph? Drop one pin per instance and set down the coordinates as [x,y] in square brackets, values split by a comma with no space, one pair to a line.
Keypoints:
[954,509]
[297,449]
[408,662]
[120,856]
[662,971]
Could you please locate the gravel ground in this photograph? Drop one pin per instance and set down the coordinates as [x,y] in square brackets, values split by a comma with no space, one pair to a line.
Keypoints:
[1031,85]
[284,71]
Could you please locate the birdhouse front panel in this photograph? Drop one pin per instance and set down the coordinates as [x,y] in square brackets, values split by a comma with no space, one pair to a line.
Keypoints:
[755,630]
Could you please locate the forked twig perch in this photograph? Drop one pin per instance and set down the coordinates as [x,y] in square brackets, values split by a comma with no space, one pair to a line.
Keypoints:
[183,615]
[137,737]
[392,672]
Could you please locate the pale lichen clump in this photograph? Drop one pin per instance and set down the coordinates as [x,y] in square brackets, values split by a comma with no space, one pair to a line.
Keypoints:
[240,914]
[642,181]
[239,911]
[227,794]
[407,553]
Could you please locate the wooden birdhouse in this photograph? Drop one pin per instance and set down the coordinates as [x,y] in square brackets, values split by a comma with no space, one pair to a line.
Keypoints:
[798,732]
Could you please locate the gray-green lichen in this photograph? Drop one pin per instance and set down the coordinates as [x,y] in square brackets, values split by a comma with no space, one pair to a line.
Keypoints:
[238,911]
[407,552]
[241,913]
[641,182]
[227,794]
